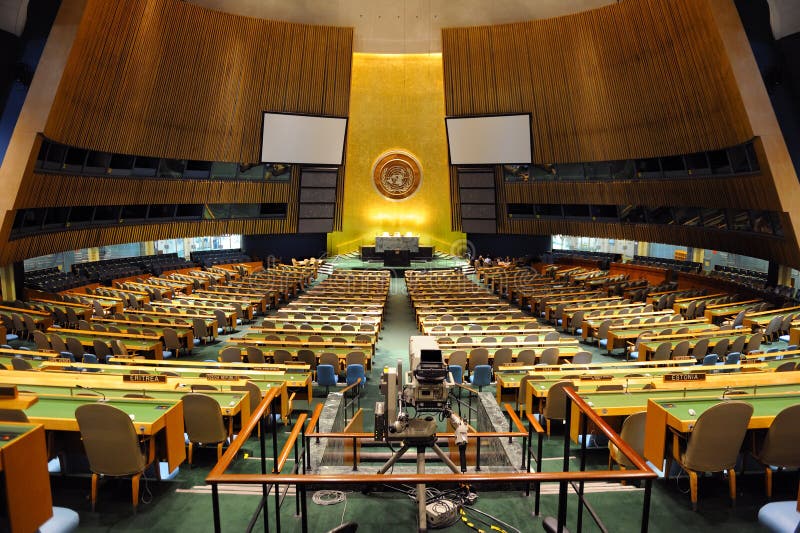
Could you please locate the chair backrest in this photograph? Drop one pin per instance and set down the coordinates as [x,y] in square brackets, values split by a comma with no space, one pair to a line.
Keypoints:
[555,407]
[739,319]
[199,327]
[13,415]
[681,349]
[254,355]
[353,373]
[526,357]
[40,339]
[355,358]
[788,366]
[717,436]
[58,343]
[222,319]
[254,393]
[202,419]
[690,309]
[602,331]
[700,349]
[738,343]
[481,375]
[552,336]
[549,356]
[458,358]
[501,357]
[711,359]
[101,349]
[754,343]
[75,347]
[18,363]
[326,375]
[721,348]
[633,434]
[280,356]
[780,444]
[663,351]
[231,354]
[171,340]
[329,358]
[478,357]
[110,440]
[523,388]
[582,358]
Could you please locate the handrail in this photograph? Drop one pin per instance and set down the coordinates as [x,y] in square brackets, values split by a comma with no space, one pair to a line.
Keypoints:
[612,435]
[514,418]
[289,444]
[314,420]
[349,387]
[535,423]
[233,449]
[438,435]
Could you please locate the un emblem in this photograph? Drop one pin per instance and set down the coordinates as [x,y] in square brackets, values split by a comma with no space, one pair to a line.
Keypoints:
[396,174]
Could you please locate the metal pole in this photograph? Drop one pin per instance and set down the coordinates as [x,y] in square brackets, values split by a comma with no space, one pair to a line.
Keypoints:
[562,486]
[583,431]
[215,506]
[648,487]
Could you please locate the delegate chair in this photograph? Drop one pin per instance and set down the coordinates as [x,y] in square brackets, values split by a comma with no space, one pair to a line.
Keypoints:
[201,333]
[481,376]
[681,350]
[326,376]
[549,356]
[172,344]
[663,351]
[101,349]
[713,445]
[780,448]
[118,348]
[40,339]
[582,358]
[753,344]
[555,407]
[721,348]
[58,344]
[523,389]
[202,419]
[478,357]
[353,373]
[458,358]
[501,357]
[633,434]
[602,333]
[308,357]
[75,347]
[738,344]
[526,357]
[700,349]
[330,358]
[356,358]
[281,357]
[231,354]
[111,444]
[254,355]
[18,363]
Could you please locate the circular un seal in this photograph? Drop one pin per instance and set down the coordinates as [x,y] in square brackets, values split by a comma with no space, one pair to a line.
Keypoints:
[397,174]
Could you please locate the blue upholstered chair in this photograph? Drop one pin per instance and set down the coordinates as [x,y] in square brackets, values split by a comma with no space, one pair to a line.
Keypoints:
[481,376]
[326,377]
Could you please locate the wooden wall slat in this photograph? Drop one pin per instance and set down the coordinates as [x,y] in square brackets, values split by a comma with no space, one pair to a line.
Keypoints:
[170,79]
[639,78]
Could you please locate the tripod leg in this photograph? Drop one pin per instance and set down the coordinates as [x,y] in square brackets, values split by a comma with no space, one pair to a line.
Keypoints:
[421,499]
[446,460]
[393,459]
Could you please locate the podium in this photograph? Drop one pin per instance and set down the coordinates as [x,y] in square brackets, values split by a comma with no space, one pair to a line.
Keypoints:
[396,258]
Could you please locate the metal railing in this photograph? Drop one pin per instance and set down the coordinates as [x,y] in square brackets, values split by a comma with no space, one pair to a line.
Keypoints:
[302,480]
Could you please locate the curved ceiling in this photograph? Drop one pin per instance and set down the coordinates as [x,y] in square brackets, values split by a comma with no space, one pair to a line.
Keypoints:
[401,26]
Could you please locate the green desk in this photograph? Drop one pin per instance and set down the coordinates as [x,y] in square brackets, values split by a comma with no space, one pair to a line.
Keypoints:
[674,413]
[152,418]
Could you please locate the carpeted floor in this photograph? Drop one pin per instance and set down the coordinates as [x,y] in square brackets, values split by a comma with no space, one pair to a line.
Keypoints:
[184,503]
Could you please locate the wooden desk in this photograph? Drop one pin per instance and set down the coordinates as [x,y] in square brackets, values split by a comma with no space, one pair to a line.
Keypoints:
[674,413]
[133,343]
[26,482]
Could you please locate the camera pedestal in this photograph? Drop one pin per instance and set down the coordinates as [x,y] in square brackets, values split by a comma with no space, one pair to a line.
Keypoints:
[422,434]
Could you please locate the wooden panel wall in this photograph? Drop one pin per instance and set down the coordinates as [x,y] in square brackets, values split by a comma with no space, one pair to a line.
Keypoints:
[48,190]
[167,78]
[639,78]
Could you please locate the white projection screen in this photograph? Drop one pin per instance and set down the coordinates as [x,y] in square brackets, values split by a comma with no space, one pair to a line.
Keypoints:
[491,140]
[302,139]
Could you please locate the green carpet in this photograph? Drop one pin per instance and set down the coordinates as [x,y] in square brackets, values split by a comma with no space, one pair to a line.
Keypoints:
[184,504]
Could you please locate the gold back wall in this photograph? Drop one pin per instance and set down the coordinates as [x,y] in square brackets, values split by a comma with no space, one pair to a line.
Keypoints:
[396,102]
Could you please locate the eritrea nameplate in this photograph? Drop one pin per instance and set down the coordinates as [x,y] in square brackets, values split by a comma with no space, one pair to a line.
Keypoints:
[144,378]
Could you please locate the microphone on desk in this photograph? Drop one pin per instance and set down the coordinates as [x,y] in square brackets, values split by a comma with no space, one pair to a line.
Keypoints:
[626,385]
[103,399]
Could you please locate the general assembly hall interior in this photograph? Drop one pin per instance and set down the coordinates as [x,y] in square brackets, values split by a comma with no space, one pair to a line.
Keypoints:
[399,265]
